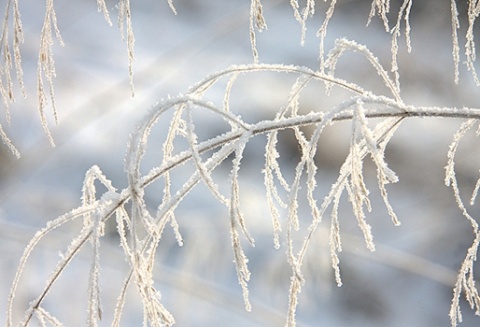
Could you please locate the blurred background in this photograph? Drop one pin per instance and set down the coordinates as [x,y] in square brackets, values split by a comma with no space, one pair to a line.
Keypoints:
[408,281]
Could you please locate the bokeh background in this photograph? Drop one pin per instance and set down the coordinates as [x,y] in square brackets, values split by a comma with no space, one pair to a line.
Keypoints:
[408,281]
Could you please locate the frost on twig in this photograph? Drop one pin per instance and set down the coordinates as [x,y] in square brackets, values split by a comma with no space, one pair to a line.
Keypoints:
[382,9]
[11,56]
[374,120]
[11,59]
[46,66]
[301,15]
[257,21]
[465,278]
[126,30]
[7,64]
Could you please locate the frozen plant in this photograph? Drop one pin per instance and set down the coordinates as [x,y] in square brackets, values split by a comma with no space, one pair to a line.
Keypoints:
[374,119]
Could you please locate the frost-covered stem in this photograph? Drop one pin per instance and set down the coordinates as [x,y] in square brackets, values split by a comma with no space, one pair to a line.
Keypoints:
[5,24]
[465,278]
[207,82]
[80,241]
[455,47]
[394,110]
[385,108]
[256,21]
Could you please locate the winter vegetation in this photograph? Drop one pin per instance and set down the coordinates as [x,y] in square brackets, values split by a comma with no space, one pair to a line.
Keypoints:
[203,138]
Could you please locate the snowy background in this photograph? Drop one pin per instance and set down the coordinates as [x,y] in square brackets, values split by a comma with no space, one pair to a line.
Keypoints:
[408,281]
